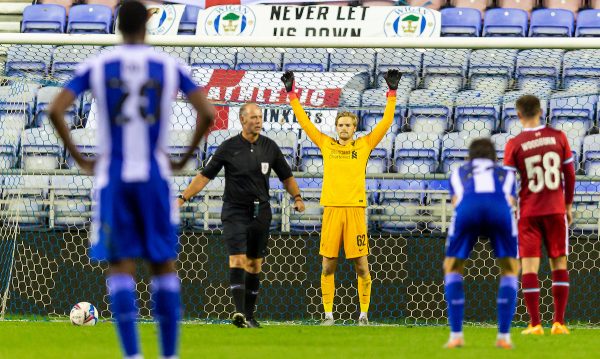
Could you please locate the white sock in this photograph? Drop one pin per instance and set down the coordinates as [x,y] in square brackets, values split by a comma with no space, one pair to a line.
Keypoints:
[363,314]
[328,315]
[137,356]
[457,335]
[505,336]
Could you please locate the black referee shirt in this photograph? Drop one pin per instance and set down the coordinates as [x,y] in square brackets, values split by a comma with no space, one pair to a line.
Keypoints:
[247,168]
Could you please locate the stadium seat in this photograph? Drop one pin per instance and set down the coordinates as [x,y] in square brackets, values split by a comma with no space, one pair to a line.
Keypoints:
[454,150]
[379,159]
[215,138]
[374,102]
[44,18]
[189,20]
[430,110]
[477,113]
[183,116]
[179,141]
[444,69]
[206,206]
[86,142]
[526,5]
[505,22]
[40,149]
[9,143]
[311,159]
[401,202]
[552,22]
[66,58]
[510,122]
[479,5]
[416,153]
[581,71]
[588,23]
[16,106]
[45,96]
[439,205]
[500,140]
[94,19]
[407,61]
[310,219]
[287,142]
[571,5]
[25,197]
[259,59]
[71,201]
[461,21]
[431,4]
[30,61]
[585,206]
[213,58]
[578,112]
[64,3]
[352,60]
[492,69]
[591,155]
[538,69]
[303,59]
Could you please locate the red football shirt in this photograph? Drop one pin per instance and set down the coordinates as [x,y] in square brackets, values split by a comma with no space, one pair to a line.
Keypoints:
[538,154]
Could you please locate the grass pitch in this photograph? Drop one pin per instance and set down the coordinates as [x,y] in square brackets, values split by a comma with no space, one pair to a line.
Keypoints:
[25,339]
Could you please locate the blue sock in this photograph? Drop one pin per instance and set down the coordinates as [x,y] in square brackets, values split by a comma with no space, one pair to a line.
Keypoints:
[121,290]
[507,302]
[455,298]
[167,310]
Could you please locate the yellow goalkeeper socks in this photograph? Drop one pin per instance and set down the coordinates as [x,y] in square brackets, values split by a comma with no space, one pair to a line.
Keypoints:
[364,292]
[328,292]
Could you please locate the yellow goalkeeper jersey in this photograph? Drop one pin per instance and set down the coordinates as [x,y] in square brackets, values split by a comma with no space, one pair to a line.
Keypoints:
[344,176]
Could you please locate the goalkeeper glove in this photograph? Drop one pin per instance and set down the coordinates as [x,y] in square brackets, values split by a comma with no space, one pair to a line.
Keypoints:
[392,77]
[288,81]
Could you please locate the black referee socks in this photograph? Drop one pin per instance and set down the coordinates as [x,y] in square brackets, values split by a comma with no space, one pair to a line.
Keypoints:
[252,286]
[237,288]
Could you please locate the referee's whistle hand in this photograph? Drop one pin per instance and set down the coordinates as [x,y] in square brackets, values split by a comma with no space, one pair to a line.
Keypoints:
[299,206]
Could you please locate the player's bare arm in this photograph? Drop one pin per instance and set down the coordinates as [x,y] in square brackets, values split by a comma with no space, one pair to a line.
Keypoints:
[206,114]
[291,186]
[57,116]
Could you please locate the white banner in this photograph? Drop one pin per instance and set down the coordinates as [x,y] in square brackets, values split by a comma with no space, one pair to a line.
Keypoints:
[284,119]
[164,19]
[318,21]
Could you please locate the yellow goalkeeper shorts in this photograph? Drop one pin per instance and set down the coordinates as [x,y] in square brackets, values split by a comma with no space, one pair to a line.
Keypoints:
[347,225]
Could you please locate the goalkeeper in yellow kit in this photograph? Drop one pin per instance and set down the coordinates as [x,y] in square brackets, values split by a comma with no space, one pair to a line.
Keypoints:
[343,194]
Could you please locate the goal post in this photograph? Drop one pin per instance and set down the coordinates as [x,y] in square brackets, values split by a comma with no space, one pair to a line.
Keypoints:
[452,90]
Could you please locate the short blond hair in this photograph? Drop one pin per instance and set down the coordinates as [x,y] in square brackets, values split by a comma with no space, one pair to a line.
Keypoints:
[352,115]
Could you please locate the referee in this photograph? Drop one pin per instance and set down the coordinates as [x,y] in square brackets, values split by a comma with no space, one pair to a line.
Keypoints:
[246,215]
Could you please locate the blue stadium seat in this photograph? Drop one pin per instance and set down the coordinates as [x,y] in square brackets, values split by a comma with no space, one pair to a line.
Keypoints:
[310,219]
[552,22]
[576,112]
[40,149]
[303,59]
[86,142]
[539,69]
[455,150]
[27,195]
[380,157]
[9,144]
[71,200]
[311,158]
[400,204]
[430,110]
[16,105]
[445,69]
[44,18]
[581,71]
[353,60]
[179,141]
[492,69]
[66,58]
[460,21]
[477,113]
[213,58]
[189,20]
[31,61]
[215,138]
[287,142]
[374,101]
[407,61]
[588,23]
[92,19]
[505,22]
[438,201]
[500,140]
[510,122]
[45,96]
[259,59]
[591,155]
[416,152]
[207,205]
[585,206]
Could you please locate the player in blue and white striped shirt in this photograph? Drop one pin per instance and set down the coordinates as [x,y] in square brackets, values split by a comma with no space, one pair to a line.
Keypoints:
[134,87]
[483,195]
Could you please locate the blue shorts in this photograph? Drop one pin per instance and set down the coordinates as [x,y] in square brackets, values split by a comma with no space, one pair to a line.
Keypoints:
[482,215]
[134,220]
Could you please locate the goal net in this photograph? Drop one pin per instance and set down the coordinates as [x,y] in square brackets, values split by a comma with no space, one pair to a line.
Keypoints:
[446,98]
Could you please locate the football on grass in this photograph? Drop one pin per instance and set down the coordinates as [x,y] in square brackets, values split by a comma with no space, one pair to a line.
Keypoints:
[83,313]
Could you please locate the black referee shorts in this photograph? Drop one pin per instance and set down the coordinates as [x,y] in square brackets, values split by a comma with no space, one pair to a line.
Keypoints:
[243,233]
